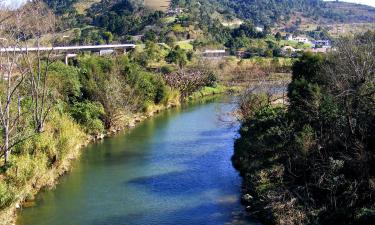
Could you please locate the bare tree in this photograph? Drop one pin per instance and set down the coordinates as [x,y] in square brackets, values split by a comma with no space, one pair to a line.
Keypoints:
[22,72]
[41,21]
[350,74]
[13,75]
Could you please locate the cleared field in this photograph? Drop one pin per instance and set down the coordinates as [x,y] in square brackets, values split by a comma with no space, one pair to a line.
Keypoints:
[185,44]
[161,5]
[341,29]
[82,6]
[337,30]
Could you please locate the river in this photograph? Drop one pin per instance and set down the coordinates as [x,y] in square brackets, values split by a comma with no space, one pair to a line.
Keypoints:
[172,169]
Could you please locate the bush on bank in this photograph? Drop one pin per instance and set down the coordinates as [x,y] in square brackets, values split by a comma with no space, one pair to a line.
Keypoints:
[312,162]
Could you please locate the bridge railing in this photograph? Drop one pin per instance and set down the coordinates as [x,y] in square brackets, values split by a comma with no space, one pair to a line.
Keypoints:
[67,48]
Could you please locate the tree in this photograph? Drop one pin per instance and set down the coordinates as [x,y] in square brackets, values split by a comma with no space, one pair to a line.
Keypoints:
[278,36]
[13,76]
[108,37]
[40,21]
[23,73]
[149,36]
[177,56]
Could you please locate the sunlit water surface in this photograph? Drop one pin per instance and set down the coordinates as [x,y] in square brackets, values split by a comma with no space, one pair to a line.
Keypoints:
[172,169]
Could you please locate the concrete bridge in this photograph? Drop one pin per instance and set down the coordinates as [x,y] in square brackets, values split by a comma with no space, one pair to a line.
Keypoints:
[71,51]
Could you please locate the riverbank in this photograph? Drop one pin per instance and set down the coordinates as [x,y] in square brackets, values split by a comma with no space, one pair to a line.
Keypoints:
[27,191]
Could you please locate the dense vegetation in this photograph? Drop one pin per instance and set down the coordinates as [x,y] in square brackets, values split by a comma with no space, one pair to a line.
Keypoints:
[205,22]
[312,161]
[49,109]
[97,95]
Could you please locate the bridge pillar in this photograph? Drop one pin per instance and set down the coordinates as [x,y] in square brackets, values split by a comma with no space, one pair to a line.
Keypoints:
[68,56]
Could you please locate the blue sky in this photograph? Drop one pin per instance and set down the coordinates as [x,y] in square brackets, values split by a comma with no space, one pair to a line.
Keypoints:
[18,2]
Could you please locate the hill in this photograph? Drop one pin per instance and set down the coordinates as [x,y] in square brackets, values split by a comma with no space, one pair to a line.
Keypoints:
[260,12]
[209,22]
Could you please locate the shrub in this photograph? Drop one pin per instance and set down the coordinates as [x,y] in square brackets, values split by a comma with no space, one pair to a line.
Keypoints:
[211,80]
[167,69]
[160,89]
[6,195]
[89,115]
[65,81]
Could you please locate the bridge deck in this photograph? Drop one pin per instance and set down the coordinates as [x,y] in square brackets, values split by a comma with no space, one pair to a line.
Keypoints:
[67,48]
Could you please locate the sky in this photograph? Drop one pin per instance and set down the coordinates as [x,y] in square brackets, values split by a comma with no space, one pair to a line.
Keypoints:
[15,3]
[12,3]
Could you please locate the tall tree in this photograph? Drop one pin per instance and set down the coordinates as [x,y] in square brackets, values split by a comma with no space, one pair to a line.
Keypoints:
[41,21]
[13,76]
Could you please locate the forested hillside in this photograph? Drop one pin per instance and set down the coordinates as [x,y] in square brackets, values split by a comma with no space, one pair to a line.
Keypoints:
[261,12]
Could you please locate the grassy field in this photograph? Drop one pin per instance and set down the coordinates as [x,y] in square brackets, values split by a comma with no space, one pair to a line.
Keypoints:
[169,19]
[185,44]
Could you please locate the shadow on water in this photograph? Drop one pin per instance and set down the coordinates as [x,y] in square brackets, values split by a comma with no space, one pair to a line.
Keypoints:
[172,169]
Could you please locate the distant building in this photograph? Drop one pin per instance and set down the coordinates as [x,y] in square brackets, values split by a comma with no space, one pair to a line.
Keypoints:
[259,29]
[215,53]
[322,44]
[175,11]
[320,50]
[299,39]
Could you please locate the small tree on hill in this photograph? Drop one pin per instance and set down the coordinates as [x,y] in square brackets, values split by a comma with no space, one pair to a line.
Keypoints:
[177,56]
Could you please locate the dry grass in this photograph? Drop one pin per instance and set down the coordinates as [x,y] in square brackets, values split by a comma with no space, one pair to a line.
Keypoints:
[161,5]
[83,5]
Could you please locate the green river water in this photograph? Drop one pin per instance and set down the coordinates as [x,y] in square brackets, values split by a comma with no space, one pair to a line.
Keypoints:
[173,169]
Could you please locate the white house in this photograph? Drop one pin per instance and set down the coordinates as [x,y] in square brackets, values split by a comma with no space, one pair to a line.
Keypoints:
[259,29]
[299,39]
[322,44]
[214,53]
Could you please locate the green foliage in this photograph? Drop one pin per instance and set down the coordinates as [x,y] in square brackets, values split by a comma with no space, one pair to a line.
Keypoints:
[177,56]
[61,6]
[108,37]
[66,137]
[149,36]
[151,53]
[167,69]
[89,115]
[211,80]
[6,195]
[65,81]
[322,144]
[94,71]
[304,92]
[122,17]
